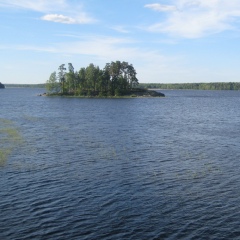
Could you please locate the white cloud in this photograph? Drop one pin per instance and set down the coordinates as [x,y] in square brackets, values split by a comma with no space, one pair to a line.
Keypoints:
[58,18]
[63,12]
[197,18]
[65,19]
[160,8]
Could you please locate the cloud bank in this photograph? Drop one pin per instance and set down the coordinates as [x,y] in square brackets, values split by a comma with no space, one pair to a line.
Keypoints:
[196,18]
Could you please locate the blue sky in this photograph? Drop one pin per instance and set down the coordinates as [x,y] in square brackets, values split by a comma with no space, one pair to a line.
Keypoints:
[170,41]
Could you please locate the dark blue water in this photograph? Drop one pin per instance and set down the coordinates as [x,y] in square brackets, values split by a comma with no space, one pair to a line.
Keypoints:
[139,168]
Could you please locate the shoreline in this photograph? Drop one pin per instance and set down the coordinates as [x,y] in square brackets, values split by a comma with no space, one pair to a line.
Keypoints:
[138,93]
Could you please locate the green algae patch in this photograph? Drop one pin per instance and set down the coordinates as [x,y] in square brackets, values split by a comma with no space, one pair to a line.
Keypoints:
[10,139]
[4,153]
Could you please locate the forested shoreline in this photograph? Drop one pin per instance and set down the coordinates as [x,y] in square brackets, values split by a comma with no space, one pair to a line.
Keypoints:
[194,86]
[183,86]
[186,86]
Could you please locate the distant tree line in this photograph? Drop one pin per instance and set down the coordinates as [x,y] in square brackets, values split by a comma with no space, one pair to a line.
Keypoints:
[41,85]
[194,86]
[115,79]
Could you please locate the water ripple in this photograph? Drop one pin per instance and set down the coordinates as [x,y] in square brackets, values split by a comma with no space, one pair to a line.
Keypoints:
[123,168]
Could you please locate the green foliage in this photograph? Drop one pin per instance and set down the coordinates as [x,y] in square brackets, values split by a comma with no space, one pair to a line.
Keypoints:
[61,77]
[117,92]
[114,79]
[52,84]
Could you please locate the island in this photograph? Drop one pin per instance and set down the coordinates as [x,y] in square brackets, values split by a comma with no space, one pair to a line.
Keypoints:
[116,79]
[1,85]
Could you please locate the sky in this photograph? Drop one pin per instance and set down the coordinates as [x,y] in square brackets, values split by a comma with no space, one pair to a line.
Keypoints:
[167,41]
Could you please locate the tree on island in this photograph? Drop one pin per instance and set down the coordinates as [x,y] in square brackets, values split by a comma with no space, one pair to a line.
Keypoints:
[115,79]
[1,85]
[52,84]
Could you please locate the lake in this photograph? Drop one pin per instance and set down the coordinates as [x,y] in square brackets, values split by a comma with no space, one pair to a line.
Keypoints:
[137,168]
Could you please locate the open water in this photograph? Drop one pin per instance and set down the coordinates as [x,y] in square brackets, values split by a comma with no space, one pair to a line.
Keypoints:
[138,168]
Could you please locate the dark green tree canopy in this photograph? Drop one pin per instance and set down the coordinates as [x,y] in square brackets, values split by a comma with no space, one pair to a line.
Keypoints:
[1,85]
[115,78]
